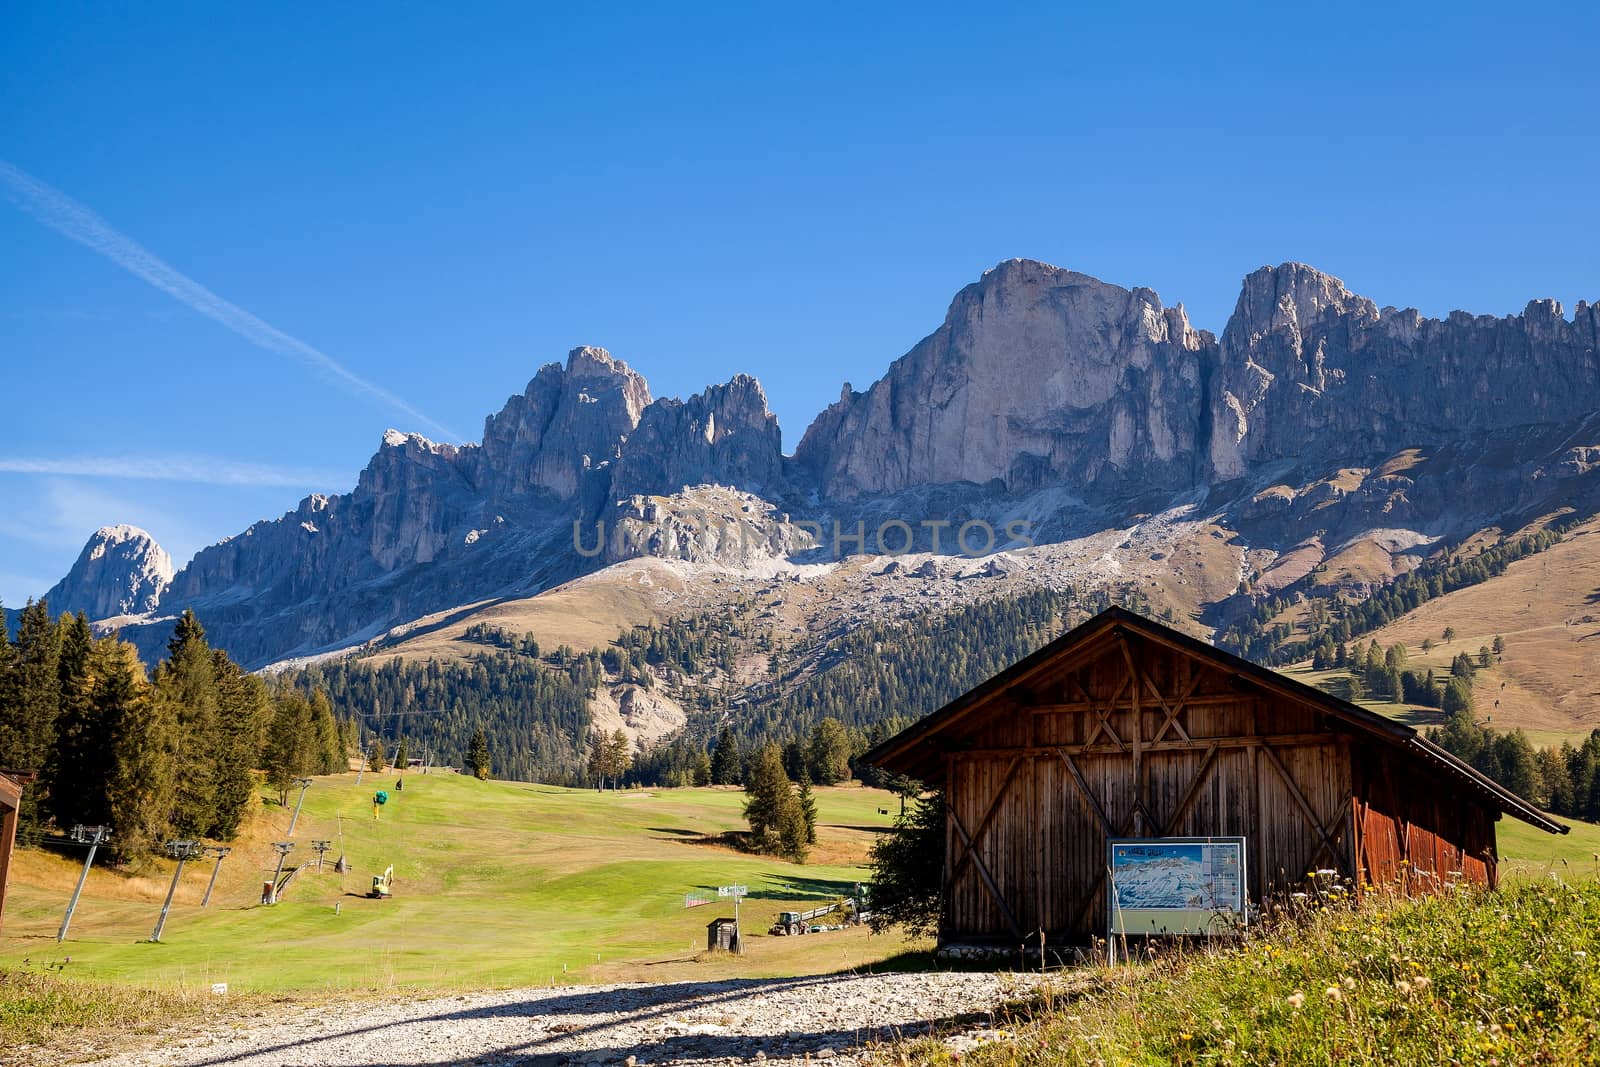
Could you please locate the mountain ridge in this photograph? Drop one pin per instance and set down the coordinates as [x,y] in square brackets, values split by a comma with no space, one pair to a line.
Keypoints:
[1044,393]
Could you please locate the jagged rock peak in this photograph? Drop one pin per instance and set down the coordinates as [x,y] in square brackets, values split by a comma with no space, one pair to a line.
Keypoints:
[725,434]
[570,420]
[121,571]
[393,438]
[591,361]
[1290,296]
[1038,376]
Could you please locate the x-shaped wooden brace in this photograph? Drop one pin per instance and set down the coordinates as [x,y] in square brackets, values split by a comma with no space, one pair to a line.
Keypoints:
[970,844]
[1170,711]
[1323,831]
[1102,714]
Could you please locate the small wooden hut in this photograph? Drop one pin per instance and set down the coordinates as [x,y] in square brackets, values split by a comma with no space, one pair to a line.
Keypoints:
[1123,728]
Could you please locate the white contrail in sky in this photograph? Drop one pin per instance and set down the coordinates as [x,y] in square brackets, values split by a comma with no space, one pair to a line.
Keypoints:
[171,469]
[71,219]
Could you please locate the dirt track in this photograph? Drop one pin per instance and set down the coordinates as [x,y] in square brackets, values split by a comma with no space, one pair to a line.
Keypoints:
[775,1021]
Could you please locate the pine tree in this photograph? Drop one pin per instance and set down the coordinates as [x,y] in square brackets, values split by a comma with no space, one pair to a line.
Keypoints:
[1555,775]
[402,757]
[796,758]
[907,871]
[27,732]
[290,743]
[349,742]
[1519,767]
[1457,698]
[792,830]
[725,759]
[478,755]
[808,808]
[330,742]
[186,681]
[1584,768]
[777,825]
[619,756]
[1487,761]
[375,757]
[75,773]
[1459,736]
[596,762]
[244,710]
[142,788]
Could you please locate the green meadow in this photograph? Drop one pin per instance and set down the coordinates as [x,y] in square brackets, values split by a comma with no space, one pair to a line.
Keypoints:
[495,884]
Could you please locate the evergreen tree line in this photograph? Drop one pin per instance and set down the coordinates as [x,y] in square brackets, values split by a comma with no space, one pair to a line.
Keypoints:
[171,755]
[533,713]
[868,684]
[825,756]
[1561,779]
[1259,639]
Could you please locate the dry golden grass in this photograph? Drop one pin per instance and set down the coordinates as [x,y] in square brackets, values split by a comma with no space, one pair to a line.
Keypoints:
[1547,607]
[585,613]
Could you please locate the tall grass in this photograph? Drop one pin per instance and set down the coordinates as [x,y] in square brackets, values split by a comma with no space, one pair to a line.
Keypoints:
[1466,977]
[47,1019]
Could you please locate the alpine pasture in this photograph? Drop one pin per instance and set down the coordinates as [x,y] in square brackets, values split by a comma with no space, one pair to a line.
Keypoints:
[495,884]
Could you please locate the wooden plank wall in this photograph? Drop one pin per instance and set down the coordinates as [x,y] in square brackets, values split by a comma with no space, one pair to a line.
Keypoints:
[1142,741]
[1416,832]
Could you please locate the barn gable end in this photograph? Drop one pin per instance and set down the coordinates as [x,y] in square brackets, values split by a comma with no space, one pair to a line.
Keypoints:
[1125,728]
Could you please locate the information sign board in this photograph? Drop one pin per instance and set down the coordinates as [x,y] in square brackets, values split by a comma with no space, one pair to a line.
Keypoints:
[1176,885]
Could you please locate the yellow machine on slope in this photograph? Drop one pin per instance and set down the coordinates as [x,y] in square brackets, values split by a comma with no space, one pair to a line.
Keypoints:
[382,883]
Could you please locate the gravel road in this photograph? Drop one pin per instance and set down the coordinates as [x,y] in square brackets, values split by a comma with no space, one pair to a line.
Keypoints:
[772,1021]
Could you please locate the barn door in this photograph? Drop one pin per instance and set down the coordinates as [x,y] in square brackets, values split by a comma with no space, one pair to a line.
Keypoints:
[983,860]
[1306,811]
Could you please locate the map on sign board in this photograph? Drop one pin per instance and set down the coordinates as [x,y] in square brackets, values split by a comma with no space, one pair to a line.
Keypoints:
[1176,885]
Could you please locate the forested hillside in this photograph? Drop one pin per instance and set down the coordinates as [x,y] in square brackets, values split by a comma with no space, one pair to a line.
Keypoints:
[533,711]
[533,703]
[873,681]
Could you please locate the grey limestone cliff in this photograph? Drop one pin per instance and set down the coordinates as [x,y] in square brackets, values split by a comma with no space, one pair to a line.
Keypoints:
[1038,376]
[121,571]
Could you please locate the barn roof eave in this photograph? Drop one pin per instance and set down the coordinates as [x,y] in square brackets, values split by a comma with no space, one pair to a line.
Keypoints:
[912,750]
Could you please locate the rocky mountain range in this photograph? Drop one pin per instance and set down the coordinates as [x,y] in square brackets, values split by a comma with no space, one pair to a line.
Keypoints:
[1315,425]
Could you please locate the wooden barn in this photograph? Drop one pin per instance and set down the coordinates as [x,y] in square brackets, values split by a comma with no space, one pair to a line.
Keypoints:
[1123,728]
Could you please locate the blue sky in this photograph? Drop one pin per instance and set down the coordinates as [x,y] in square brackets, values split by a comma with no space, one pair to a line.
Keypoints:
[440,202]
